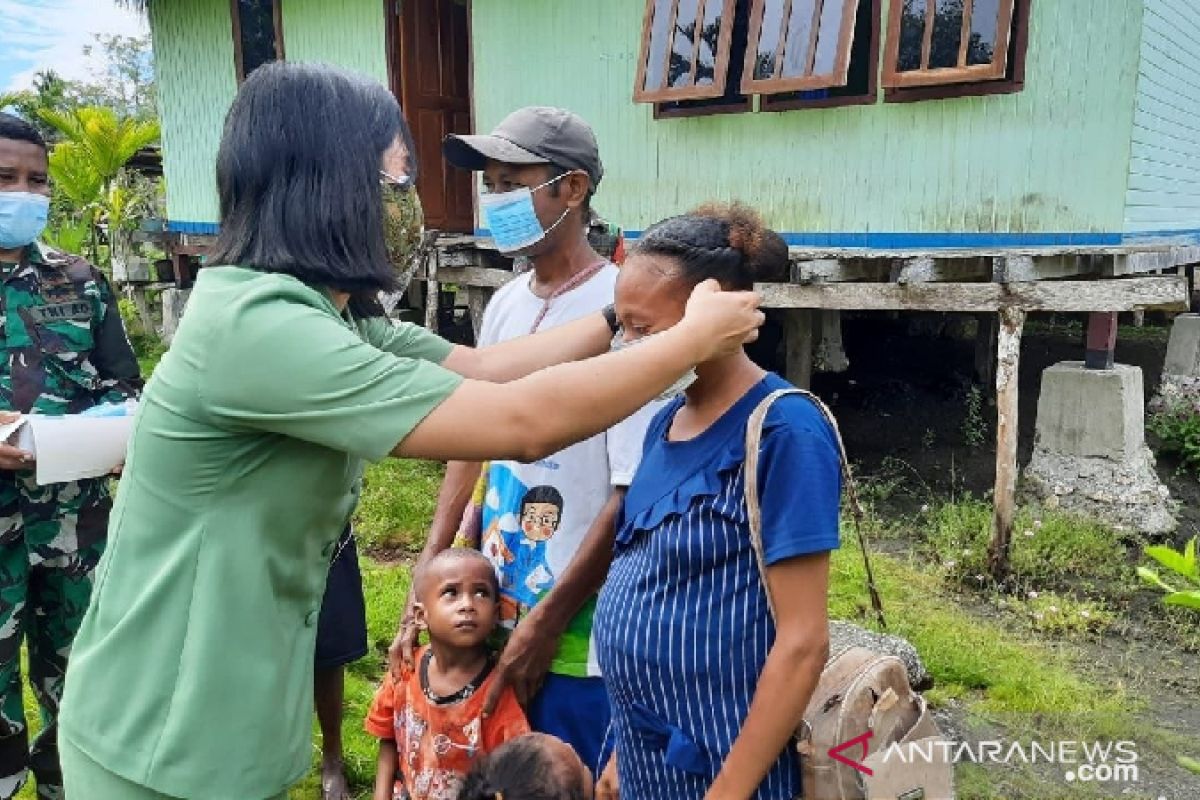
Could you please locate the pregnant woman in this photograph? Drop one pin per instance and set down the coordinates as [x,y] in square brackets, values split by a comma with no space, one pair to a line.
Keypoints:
[707,687]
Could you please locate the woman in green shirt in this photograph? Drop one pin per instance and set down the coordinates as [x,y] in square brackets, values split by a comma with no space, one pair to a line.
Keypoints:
[192,674]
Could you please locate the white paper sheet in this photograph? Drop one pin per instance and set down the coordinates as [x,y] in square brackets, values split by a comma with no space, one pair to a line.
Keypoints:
[71,447]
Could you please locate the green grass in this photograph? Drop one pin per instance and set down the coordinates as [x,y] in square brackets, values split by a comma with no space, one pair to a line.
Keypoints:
[1003,678]
[397,504]
[1047,548]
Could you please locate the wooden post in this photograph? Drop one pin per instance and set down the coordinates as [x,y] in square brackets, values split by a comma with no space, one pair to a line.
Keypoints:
[1101,340]
[798,333]
[985,348]
[1008,357]
[432,291]
[477,298]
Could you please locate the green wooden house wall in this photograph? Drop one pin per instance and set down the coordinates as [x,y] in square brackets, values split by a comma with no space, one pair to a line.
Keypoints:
[1101,144]
[1051,159]
[197,80]
[1164,171]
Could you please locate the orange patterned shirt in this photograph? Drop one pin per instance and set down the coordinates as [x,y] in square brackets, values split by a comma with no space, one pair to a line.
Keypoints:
[438,738]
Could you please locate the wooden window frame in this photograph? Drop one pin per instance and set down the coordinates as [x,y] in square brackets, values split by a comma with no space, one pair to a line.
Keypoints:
[773,103]
[1013,82]
[924,76]
[809,81]
[667,94]
[236,15]
[743,106]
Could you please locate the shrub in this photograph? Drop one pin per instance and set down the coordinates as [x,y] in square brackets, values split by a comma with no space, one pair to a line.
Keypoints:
[1185,587]
[1175,421]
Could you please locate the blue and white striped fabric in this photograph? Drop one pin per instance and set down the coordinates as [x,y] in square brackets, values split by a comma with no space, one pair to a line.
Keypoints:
[682,626]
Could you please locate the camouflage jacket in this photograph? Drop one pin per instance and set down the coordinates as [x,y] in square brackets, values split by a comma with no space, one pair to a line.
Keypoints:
[64,347]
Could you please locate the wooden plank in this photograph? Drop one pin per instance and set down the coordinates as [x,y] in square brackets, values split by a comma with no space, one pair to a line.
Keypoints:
[839,270]
[928,269]
[469,276]
[811,253]
[1130,294]
[1008,357]
[1018,269]
[1139,263]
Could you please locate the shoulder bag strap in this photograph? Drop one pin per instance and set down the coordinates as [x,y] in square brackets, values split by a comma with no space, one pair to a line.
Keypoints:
[754,430]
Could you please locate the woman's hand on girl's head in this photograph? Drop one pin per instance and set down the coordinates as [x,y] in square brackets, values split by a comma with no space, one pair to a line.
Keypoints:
[719,321]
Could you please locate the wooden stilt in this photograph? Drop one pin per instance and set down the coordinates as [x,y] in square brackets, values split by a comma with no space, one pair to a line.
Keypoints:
[798,330]
[985,349]
[477,298]
[1008,357]
[1101,340]
[432,291]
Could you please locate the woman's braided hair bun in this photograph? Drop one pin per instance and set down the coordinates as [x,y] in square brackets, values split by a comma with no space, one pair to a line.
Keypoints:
[764,251]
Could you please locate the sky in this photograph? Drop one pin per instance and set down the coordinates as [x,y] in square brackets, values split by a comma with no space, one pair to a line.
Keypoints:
[41,34]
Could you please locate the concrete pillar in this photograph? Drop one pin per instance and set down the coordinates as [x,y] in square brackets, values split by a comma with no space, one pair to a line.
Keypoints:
[1183,348]
[173,301]
[1091,413]
[831,354]
[1090,454]
[798,335]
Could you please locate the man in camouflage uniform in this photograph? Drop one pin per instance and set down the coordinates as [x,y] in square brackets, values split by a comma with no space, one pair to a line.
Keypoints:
[62,350]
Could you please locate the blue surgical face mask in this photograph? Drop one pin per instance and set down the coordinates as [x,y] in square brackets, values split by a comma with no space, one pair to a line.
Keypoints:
[511,218]
[675,389]
[23,217]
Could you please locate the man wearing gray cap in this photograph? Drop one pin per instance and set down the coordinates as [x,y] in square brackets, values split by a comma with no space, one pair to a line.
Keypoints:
[548,527]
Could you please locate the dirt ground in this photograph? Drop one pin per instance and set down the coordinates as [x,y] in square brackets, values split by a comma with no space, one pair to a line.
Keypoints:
[904,407]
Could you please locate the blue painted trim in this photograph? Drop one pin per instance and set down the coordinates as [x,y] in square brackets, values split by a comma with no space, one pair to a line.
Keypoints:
[1186,236]
[193,228]
[933,241]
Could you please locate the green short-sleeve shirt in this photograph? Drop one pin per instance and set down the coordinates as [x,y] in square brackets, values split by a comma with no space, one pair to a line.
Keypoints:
[192,672]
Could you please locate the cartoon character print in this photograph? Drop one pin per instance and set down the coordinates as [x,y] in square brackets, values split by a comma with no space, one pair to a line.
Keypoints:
[519,521]
[541,513]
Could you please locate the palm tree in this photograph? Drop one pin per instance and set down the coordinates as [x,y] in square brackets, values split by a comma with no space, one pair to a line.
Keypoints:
[87,166]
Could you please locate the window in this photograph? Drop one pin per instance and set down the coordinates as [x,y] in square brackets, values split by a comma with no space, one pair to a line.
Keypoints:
[732,101]
[938,42]
[685,50]
[861,87]
[797,53]
[799,45]
[257,34]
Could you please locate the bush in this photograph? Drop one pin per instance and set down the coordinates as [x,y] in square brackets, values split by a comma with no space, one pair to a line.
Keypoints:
[1175,421]
[1184,588]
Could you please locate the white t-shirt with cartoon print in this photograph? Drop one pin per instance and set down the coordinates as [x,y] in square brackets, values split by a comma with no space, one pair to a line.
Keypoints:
[535,516]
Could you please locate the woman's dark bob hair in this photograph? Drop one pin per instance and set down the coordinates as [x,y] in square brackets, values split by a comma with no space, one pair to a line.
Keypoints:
[298,176]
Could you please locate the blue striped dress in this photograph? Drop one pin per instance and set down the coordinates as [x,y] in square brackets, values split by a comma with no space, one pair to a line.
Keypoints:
[682,625]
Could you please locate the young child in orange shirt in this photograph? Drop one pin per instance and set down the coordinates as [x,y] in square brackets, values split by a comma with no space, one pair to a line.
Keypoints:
[430,721]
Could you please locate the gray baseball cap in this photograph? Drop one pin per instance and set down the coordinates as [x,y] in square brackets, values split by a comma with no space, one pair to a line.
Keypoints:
[532,135]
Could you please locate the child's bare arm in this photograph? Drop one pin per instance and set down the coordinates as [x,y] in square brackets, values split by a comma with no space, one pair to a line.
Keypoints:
[385,771]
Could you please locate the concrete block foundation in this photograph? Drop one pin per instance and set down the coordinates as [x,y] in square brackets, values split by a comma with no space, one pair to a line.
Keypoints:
[1183,348]
[1090,455]
[173,302]
[1181,370]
